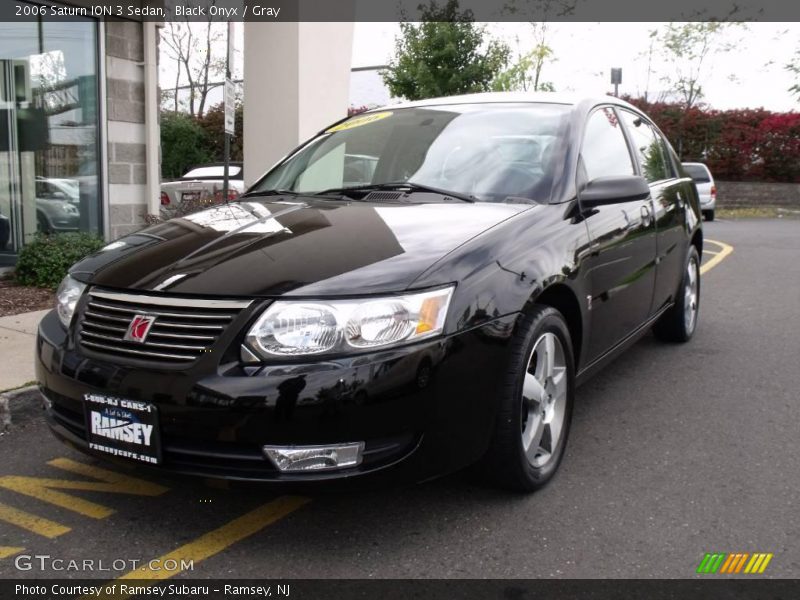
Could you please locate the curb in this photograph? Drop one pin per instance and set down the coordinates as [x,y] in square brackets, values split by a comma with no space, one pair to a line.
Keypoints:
[19,404]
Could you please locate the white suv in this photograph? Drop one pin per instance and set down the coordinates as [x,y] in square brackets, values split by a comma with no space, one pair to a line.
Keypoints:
[706,188]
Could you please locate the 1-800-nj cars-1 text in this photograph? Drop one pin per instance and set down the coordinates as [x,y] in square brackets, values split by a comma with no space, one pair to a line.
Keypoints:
[413,290]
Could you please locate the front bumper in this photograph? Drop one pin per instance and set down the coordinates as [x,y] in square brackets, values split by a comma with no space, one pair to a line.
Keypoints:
[421,410]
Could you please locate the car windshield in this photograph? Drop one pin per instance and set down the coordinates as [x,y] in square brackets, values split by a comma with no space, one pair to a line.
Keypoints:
[488,152]
[697,172]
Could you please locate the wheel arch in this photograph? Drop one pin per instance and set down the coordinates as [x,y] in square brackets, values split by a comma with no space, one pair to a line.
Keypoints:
[697,241]
[561,297]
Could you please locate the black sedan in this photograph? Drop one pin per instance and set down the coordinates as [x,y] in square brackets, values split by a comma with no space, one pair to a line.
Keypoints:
[414,290]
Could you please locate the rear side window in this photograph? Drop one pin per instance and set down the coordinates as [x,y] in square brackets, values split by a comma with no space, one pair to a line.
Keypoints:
[698,173]
[605,152]
[649,147]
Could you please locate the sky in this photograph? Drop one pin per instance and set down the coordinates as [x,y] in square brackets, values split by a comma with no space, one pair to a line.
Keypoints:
[749,76]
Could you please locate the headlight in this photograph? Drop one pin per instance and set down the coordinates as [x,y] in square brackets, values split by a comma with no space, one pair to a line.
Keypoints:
[67,296]
[296,328]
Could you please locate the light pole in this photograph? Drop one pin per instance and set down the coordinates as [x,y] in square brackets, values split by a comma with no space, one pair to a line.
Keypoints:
[230,111]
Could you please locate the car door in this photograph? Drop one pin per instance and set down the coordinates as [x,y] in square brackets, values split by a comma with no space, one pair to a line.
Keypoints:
[622,259]
[668,199]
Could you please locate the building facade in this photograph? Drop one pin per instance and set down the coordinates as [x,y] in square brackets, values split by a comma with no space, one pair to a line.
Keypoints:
[79,106]
[73,130]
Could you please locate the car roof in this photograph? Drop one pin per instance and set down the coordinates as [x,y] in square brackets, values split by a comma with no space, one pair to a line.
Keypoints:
[568,98]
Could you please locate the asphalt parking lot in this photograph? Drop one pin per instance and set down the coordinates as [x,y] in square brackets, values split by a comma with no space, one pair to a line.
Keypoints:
[675,451]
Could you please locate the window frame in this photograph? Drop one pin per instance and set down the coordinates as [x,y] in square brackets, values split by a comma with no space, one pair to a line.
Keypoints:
[582,172]
[664,146]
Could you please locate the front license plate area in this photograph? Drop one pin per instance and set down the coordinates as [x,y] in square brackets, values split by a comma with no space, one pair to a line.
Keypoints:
[123,428]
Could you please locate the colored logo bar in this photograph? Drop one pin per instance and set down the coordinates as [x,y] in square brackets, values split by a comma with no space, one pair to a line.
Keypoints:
[734,562]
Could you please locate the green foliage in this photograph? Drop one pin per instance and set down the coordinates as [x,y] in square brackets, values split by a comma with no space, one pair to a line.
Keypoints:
[443,55]
[45,261]
[525,74]
[213,124]
[183,143]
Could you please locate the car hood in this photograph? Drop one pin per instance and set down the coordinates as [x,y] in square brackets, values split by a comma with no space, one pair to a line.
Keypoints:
[310,248]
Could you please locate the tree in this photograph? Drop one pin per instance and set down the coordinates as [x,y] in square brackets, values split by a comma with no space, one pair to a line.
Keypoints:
[526,73]
[794,67]
[445,54]
[689,48]
[183,143]
[189,45]
[213,123]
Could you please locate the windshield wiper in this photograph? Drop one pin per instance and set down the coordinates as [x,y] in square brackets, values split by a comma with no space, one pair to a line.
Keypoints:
[282,192]
[256,193]
[399,185]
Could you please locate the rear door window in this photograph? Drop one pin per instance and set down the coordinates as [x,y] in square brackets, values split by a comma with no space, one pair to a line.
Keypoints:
[648,146]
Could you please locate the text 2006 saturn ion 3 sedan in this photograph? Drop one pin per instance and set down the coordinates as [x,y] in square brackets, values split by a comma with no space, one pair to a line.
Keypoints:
[413,290]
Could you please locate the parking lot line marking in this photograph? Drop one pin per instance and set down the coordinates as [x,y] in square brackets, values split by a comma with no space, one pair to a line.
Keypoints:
[111,482]
[6,551]
[725,250]
[214,542]
[38,525]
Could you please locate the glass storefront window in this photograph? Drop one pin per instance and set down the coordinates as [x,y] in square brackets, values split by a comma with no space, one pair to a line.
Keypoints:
[49,131]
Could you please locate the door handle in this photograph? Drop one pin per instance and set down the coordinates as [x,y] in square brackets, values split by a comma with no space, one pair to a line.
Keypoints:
[647,215]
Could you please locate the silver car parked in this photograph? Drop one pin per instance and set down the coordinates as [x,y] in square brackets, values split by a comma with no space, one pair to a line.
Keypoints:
[706,188]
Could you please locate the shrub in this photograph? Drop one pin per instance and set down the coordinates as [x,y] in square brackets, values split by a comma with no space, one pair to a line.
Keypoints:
[183,143]
[213,124]
[45,261]
[749,144]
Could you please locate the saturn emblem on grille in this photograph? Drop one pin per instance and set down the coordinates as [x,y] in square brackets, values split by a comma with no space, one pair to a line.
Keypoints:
[139,328]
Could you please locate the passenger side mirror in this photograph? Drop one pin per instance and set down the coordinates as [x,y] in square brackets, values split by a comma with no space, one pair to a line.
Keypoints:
[610,190]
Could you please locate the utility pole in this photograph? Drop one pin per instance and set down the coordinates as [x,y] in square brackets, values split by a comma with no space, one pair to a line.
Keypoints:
[229,100]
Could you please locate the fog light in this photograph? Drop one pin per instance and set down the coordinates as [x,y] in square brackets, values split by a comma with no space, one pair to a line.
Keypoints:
[314,458]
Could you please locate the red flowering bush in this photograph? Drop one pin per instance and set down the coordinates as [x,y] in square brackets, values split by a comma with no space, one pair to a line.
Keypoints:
[737,145]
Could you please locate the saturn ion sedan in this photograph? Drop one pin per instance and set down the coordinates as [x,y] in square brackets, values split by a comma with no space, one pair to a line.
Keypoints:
[413,290]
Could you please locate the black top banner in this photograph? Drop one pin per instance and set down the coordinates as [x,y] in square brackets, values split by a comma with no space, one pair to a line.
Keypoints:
[402,10]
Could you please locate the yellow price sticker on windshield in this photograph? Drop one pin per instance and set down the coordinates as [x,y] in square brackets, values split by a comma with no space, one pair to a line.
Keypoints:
[359,121]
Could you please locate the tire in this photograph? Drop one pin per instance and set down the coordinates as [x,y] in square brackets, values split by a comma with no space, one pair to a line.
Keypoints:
[709,215]
[522,417]
[679,324]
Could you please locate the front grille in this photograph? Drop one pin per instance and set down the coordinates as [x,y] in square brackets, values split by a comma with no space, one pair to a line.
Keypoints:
[184,328]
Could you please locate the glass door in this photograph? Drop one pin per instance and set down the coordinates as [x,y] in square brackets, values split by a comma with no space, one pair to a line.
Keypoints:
[49,131]
[9,168]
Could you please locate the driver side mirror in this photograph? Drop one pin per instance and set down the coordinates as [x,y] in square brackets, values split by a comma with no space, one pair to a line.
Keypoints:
[611,190]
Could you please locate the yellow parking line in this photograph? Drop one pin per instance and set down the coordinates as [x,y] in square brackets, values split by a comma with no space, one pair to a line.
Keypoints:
[216,541]
[39,525]
[46,489]
[718,257]
[6,551]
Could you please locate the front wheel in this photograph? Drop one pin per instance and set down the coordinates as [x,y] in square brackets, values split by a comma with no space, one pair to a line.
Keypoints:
[679,322]
[535,408]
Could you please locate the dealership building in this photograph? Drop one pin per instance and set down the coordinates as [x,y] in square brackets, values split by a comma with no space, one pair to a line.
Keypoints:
[79,132]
